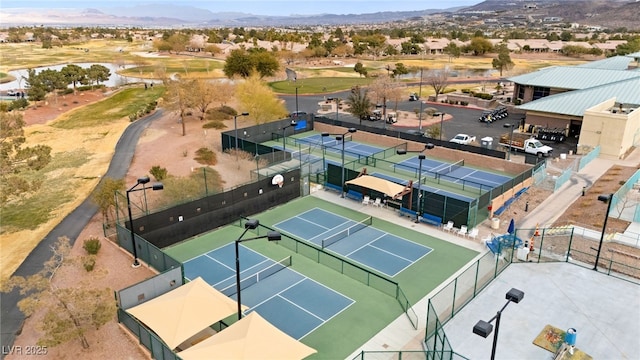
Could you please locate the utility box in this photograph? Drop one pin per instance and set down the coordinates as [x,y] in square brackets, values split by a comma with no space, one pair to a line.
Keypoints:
[486,142]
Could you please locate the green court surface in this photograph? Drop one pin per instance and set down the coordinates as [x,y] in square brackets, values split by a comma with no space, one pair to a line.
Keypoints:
[373,309]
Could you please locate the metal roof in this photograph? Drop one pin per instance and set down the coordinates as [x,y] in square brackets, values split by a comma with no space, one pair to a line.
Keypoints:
[612,63]
[572,77]
[576,102]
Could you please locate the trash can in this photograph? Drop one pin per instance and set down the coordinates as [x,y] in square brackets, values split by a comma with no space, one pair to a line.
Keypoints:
[486,142]
[570,337]
[495,223]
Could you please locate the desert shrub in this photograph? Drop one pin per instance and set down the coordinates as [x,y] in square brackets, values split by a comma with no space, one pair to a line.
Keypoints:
[464,103]
[206,156]
[449,90]
[92,245]
[227,110]
[89,262]
[483,96]
[159,173]
[18,104]
[66,91]
[214,124]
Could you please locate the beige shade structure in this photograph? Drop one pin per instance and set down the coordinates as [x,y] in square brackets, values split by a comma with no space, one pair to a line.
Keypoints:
[386,187]
[253,337]
[185,311]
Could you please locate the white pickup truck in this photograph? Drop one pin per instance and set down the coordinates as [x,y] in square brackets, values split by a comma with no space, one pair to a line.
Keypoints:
[525,143]
[463,139]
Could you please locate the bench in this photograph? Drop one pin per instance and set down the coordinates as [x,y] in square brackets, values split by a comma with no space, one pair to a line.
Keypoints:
[329,186]
[407,212]
[431,219]
[354,195]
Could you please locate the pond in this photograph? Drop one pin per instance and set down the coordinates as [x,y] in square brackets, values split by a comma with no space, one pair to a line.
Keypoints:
[114,80]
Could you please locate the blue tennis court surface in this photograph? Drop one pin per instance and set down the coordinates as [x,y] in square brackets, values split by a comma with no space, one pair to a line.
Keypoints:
[470,177]
[424,187]
[351,148]
[287,299]
[379,250]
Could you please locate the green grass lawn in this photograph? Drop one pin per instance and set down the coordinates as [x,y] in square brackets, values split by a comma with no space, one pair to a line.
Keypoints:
[318,85]
[122,104]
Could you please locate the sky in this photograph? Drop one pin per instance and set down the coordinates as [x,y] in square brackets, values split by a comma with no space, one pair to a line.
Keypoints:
[257,7]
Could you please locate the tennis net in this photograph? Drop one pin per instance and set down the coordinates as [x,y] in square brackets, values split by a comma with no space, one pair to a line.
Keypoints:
[347,232]
[450,168]
[330,142]
[257,277]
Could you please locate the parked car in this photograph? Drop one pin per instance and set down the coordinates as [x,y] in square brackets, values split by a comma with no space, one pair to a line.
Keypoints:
[463,139]
[414,97]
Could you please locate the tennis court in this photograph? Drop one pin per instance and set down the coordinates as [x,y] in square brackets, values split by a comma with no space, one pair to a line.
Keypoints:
[456,172]
[289,300]
[376,249]
[351,148]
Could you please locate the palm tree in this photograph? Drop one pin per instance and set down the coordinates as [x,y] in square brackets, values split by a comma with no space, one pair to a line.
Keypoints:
[359,103]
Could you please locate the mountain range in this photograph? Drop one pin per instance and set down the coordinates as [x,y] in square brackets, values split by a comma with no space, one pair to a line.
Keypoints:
[606,13]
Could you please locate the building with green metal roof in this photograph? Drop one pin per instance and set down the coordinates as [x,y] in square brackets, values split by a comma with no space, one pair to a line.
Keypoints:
[597,102]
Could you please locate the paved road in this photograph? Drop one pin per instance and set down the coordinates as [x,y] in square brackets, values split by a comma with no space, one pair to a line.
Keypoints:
[463,119]
[11,320]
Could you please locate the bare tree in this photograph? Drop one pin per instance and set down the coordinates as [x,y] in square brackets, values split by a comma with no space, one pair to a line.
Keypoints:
[438,80]
[178,98]
[70,312]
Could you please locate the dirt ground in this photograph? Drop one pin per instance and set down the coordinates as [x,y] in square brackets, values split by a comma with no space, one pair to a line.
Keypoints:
[161,144]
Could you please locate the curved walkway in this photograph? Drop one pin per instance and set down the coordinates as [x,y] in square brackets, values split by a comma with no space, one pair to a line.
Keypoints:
[11,318]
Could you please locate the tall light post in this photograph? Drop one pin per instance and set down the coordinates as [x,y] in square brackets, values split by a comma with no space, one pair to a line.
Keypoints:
[141,181]
[340,137]
[421,102]
[337,106]
[441,121]
[284,139]
[251,224]
[484,328]
[607,200]
[235,126]
[296,101]
[510,138]
[421,157]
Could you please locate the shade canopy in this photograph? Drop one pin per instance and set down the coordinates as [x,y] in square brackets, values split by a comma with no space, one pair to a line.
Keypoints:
[253,337]
[386,187]
[181,313]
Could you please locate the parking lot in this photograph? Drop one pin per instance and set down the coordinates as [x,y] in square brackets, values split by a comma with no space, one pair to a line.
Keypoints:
[462,120]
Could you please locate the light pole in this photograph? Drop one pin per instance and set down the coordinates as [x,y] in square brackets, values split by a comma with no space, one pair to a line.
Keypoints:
[337,106]
[510,138]
[421,157]
[607,200]
[296,101]
[251,224]
[141,181]
[484,328]
[441,121]
[340,137]
[235,126]
[421,102]
[284,139]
